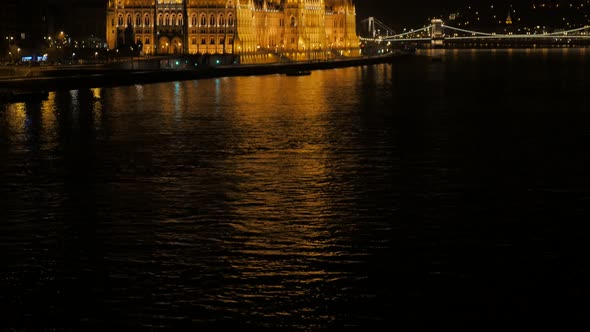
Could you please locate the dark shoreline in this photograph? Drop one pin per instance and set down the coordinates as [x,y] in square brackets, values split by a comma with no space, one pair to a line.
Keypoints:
[93,78]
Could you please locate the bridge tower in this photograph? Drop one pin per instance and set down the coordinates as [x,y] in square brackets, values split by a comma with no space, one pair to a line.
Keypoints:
[371,27]
[436,33]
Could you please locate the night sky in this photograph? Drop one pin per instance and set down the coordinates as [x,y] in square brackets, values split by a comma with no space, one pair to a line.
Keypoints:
[394,8]
[415,13]
[398,13]
[412,13]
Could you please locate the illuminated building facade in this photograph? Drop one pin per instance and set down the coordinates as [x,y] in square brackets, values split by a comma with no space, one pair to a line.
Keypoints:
[295,29]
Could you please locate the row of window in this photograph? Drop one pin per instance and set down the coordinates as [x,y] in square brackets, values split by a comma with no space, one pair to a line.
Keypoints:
[177,20]
[206,31]
[212,41]
[338,23]
[213,20]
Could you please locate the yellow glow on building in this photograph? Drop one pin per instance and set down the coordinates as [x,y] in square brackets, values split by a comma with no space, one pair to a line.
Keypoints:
[509,19]
[252,29]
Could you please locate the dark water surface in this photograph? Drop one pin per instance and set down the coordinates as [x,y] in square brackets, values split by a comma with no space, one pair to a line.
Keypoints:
[422,192]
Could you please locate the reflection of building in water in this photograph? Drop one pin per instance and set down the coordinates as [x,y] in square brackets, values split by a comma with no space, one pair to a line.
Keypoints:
[291,28]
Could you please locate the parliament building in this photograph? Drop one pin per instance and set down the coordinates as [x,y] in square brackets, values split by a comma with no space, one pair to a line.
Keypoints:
[252,29]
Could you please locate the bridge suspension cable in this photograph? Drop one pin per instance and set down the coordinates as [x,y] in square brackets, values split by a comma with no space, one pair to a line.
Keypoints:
[410,32]
[467,31]
[374,25]
[568,31]
[388,31]
[520,36]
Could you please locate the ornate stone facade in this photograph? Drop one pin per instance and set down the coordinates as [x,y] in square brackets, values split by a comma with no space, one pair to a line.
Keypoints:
[294,29]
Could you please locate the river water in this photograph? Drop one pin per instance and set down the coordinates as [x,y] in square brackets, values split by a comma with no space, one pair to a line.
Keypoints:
[421,192]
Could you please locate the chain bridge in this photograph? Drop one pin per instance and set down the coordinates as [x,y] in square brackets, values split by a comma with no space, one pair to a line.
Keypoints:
[438,33]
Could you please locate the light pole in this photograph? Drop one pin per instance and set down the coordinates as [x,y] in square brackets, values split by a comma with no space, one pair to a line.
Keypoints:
[73,55]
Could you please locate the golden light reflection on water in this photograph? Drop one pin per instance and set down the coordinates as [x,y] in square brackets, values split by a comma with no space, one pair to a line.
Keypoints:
[32,123]
[49,120]
[16,116]
[282,192]
[96,93]
[97,105]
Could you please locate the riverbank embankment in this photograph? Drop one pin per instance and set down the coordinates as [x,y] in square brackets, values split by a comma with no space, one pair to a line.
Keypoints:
[101,76]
